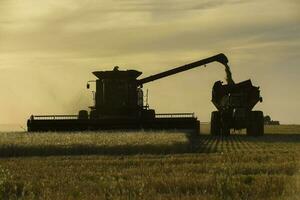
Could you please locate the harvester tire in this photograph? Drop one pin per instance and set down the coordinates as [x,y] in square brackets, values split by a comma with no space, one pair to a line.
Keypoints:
[197,128]
[256,124]
[215,123]
[93,114]
[83,114]
[225,131]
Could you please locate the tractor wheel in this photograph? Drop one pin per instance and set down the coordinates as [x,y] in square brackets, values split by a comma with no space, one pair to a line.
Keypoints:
[256,124]
[215,123]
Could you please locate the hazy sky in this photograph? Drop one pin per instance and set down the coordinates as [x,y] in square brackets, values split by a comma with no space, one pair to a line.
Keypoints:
[48,50]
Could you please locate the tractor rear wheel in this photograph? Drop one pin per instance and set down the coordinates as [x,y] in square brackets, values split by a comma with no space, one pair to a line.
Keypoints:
[256,124]
[215,123]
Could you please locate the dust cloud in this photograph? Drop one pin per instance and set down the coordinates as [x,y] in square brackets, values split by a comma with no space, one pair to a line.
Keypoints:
[42,91]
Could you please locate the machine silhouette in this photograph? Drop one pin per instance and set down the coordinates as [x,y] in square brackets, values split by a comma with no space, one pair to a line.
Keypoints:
[120,104]
[235,102]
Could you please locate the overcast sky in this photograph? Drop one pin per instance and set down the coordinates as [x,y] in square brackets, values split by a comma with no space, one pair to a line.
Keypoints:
[48,50]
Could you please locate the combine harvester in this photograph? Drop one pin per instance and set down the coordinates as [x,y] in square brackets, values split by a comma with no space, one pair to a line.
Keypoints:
[119,104]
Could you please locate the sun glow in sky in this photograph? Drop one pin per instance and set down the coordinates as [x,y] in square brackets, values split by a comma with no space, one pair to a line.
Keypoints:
[48,50]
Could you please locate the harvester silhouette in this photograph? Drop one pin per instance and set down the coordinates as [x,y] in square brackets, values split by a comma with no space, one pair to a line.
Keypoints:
[120,104]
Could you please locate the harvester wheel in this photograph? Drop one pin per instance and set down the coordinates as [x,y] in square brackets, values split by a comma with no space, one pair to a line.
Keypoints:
[93,114]
[225,131]
[256,124]
[197,128]
[215,123]
[83,114]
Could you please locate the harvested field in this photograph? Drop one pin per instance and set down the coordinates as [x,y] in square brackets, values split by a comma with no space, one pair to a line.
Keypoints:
[151,165]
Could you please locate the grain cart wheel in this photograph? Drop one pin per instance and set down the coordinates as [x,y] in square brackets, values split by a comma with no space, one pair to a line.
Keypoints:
[259,116]
[215,123]
[256,124]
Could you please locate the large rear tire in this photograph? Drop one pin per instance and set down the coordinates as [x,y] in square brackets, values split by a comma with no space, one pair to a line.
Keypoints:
[255,123]
[215,123]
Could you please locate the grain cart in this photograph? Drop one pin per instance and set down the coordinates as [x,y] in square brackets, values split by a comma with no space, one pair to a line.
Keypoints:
[234,102]
[119,104]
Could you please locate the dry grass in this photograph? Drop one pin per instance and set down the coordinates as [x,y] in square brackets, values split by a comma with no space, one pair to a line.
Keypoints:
[150,165]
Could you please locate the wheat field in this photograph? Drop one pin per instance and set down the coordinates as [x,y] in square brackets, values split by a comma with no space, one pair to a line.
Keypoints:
[150,165]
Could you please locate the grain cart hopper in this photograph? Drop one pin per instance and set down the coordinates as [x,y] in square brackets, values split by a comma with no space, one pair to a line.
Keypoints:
[234,102]
[119,104]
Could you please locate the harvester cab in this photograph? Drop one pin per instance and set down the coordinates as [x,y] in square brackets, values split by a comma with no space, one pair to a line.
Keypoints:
[116,94]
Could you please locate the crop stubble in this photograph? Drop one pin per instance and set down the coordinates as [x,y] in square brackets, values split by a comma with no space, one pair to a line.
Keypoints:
[151,165]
